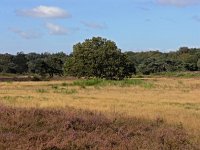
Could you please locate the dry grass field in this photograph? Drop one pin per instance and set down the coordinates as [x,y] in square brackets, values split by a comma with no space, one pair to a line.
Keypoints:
[174,100]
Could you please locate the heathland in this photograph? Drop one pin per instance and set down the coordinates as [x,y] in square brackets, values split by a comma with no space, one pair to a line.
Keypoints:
[140,113]
[99,97]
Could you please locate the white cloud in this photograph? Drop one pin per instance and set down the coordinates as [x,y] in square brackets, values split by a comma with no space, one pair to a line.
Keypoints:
[178,3]
[56,29]
[93,25]
[25,34]
[44,12]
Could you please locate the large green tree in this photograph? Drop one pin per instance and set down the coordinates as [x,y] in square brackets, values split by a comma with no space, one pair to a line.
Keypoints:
[98,57]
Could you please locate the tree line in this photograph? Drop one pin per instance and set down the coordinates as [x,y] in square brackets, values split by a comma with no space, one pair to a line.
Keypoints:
[99,57]
[33,63]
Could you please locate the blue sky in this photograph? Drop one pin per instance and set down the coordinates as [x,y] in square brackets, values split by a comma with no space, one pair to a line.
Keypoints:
[136,25]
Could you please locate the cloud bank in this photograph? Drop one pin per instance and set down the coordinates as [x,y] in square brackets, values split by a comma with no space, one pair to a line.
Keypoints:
[44,12]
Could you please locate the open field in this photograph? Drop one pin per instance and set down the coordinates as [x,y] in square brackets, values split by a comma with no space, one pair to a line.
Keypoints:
[174,100]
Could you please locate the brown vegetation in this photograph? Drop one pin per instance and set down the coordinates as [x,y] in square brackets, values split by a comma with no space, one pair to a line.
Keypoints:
[52,129]
[11,79]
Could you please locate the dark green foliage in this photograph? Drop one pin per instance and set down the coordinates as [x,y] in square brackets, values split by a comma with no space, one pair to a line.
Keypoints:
[185,59]
[98,57]
[13,64]
[34,60]
[5,63]
[198,64]
[20,62]
[153,65]
[42,64]
[46,64]
[55,64]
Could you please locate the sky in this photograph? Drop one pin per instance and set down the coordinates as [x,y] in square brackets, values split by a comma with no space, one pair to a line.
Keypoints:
[134,25]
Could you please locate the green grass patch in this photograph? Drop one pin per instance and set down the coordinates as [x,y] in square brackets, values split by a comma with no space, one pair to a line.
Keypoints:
[89,82]
[42,91]
[121,83]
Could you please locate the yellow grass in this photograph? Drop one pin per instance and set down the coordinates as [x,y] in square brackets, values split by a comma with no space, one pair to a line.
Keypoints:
[175,100]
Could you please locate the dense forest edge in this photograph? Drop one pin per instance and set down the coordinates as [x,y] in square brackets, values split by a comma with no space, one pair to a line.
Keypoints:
[101,58]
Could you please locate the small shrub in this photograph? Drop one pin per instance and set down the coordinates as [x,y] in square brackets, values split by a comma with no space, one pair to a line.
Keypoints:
[64,84]
[54,87]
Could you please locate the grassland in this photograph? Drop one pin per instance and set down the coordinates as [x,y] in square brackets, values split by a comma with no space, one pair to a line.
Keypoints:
[176,101]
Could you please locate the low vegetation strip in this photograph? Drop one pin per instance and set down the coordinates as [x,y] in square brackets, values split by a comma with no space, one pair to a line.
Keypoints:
[51,129]
[103,82]
[10,79]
